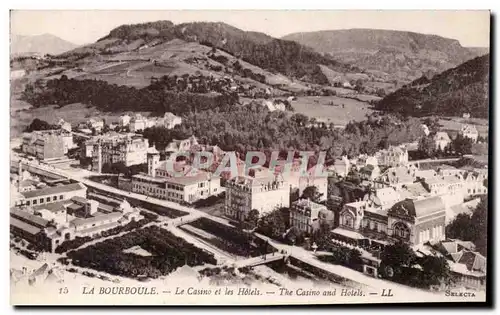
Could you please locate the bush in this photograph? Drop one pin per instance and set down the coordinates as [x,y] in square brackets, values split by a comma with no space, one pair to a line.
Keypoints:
[72,244]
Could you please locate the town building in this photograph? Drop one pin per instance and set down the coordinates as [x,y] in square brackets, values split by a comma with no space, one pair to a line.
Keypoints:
[396,177]
[441,139]
[341,167]
[365,160]
[185,145]
[469,131]
[66,126]
[139,122]
[187,186]
[425,129]
[47,144]
[293,174]
[50,225]
[369,172]
[97,124]
[467,267]
[384,198]
[169,121]
[50,194]
[124,120]
[129,149]
[308,216]
[414,221]
[393,156]
[262,191]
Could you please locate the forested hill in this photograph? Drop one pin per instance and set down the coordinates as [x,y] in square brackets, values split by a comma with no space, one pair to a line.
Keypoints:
[289,58]
[464,89]
[403,55]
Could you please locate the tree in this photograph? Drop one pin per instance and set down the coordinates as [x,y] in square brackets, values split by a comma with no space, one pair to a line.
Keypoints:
[427,146]
[322,236]
[479,221]
[38,124]
[253,217]
[120,168]
[461,228]
[461,145]
[354,258]
[312,193]
[435,270]
[273,224]
[471,227]
[295,236]
[398,255]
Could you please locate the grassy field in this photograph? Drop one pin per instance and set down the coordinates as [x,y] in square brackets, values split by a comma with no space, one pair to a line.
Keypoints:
[319,108]
[454,124]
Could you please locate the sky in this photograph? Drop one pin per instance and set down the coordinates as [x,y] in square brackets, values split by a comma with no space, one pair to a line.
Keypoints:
[471,28]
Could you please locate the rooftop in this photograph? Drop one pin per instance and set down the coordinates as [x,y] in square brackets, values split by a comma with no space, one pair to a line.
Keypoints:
[29,217]
[418,208]
[190,180]
[53,190]
[53,207]
[31,229]
[96,218]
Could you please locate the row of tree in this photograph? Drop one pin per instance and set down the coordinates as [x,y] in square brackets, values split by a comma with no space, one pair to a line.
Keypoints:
[112,97]
[254,128]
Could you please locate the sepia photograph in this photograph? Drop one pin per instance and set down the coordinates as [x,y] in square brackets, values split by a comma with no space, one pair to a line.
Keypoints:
[285,157]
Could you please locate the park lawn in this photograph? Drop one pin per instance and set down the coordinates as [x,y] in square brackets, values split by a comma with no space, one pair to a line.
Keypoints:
[168,252]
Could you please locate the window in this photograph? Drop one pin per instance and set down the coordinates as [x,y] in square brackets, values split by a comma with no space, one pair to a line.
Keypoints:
[41,200]
[60,197]
[28,203]
[401,231]
[54,198]
[34,202]
[347,220]
[48,199]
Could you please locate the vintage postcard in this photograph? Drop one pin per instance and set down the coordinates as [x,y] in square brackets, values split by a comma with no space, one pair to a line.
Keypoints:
[249,157]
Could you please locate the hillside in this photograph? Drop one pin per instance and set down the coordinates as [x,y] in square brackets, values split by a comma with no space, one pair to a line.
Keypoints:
[274,55]
[402,56]
[40,44]
[464,89]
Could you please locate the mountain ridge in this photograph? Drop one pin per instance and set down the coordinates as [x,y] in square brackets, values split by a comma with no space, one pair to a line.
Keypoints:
[42,44]
[403,54]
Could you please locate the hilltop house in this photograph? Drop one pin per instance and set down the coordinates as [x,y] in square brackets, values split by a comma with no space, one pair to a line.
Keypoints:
[393,156]
[124,120]
[169,120]
[425,129]
[469,131]
[441,139]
